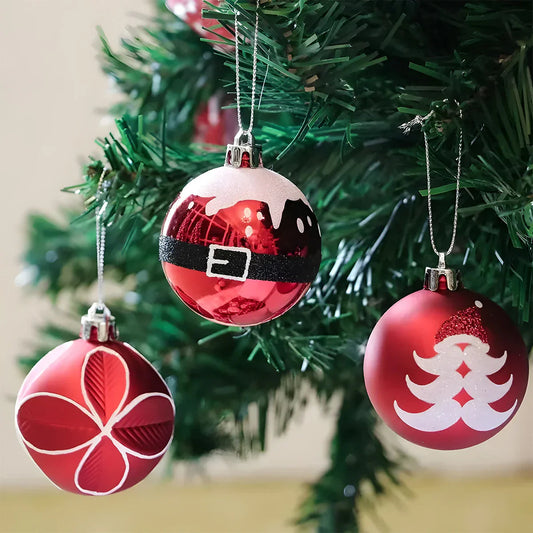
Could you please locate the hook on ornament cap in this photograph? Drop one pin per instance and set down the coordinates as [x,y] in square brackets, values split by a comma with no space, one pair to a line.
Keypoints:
[244,153]
[98,324]
[432,277]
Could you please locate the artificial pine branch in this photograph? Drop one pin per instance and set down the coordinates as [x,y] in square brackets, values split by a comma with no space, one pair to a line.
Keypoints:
[338,79]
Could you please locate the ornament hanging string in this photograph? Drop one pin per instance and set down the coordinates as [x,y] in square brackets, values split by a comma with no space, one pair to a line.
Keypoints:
[406,129]
[254,70]
[100,241]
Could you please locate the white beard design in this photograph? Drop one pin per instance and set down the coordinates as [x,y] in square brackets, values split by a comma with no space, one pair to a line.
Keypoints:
[445,411]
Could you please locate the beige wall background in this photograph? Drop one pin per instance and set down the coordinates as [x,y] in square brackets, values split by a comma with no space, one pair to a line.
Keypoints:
[51,91]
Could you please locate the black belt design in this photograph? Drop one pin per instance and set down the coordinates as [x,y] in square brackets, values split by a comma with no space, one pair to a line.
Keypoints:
[236,263]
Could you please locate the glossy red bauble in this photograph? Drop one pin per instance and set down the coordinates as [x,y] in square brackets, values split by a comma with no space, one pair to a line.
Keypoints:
[240,246]
[190,11]
[213,123]
[96,417]
[446,369]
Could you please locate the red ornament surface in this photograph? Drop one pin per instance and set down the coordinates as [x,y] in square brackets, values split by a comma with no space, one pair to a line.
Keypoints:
[446,370]
[190,11]
[213,124]
[95,417]
[241,216]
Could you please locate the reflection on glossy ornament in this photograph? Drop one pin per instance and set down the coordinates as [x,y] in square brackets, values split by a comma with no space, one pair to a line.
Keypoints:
[240,245]
[446,369]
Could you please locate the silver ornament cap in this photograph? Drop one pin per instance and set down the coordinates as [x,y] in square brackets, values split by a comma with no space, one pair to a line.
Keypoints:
[433,275]
[244,153]
[98,324]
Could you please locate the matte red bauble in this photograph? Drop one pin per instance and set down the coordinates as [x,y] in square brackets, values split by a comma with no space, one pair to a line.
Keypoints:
[240,245]
[96,417]
[446,369]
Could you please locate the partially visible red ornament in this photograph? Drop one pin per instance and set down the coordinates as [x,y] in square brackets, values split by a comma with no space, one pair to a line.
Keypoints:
[94,414]
[445,367]
[240,245]
[190,11]
[213,124]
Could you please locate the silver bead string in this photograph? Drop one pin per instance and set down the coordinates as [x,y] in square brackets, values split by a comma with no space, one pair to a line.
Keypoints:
[100,242]
[406,128]
[254,70]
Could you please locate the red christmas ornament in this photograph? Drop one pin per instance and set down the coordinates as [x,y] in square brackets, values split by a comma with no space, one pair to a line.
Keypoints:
[213,125]
[445,369]
[95,415]
[240,245]
[190,11]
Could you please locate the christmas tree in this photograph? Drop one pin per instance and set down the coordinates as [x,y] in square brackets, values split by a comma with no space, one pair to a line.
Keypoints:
[336,80]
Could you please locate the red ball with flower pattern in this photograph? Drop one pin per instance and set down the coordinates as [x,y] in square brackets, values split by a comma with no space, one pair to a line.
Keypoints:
[96,417]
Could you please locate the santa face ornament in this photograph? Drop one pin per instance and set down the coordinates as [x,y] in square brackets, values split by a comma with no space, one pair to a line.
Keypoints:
[240,245]
[446,369]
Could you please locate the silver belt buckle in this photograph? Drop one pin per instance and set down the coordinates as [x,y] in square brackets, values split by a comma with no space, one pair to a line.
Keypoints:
[213,261]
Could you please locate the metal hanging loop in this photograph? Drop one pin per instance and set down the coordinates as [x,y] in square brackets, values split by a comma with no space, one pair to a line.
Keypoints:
[238,71]
[433,275]
[457,189]
[244,152]
[99,324]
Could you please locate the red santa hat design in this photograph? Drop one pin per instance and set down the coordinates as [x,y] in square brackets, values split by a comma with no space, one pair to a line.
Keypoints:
[466,321]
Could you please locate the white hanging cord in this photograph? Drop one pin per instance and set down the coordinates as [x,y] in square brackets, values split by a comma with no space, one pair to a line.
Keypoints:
[254,69]
[100,242]
[406,128]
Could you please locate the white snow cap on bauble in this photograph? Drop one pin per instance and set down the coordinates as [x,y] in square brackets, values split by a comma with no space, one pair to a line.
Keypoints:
[228,185]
